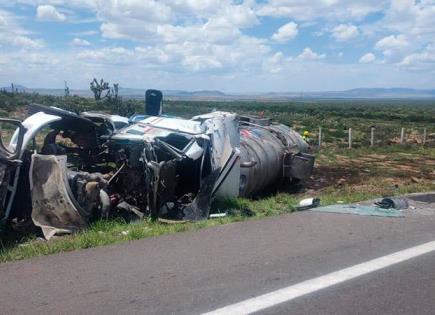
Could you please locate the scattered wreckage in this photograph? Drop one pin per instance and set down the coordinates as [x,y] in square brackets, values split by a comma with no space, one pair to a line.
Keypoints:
[94,165]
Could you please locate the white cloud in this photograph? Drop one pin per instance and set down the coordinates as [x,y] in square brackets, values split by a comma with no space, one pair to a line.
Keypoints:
[77,4]
[12,34]
[423,60]
[238,15]
[135,19]
[3,21]
[308,54]
[286,32]
[195,43]
[175,21]
[413,22]
[9,21]
[394,47]
[191,35]
[344,32]
[214,31]
[199,63]
[321,9]
[414,18]
[38,59]
[367,58]
[318,33]
[153,55]
[48,12]
[85,33]
[80,42]
[26,42]
[107,56]
[189,56]
[142,73]
[198,8]
[392,42]
[275,63]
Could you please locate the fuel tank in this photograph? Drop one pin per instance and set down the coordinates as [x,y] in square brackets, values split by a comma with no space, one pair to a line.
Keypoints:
[270,153]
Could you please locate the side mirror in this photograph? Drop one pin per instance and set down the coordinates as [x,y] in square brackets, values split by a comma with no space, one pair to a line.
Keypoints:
[11,139]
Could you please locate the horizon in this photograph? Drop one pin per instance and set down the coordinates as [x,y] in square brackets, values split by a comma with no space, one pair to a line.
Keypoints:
[224,92]
[237,47]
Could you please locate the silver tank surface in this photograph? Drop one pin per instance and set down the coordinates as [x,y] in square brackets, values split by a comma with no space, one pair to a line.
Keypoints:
[270,153]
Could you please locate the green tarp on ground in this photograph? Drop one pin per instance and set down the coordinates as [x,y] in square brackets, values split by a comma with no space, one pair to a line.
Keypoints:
[360,210]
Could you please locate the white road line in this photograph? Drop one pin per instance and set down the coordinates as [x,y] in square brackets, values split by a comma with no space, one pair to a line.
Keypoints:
[306,287]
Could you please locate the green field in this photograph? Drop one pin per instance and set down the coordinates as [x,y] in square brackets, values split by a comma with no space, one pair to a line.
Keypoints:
[340,174]
[334,116]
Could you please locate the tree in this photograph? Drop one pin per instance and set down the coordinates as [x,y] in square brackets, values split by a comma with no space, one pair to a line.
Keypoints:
[113,101]
[115,90]
[66,91]
[112,94]
[99,87]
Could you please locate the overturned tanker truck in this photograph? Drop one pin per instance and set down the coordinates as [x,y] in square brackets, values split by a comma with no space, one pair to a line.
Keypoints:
[94,165]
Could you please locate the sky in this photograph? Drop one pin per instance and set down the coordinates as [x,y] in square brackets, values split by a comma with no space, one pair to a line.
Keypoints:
[243,46]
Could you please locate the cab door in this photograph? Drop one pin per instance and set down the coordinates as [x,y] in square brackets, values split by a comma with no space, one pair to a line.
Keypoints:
[9,162]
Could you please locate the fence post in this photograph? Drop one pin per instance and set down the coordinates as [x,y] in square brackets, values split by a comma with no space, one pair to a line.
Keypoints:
[424,136]
[350,138]
[402,135]
[372,136]
[320,137]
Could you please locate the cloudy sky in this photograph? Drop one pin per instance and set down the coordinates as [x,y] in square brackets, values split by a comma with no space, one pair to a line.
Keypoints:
[233,46]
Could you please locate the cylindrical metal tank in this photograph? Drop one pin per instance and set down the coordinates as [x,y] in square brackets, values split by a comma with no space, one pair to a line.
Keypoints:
[262,150]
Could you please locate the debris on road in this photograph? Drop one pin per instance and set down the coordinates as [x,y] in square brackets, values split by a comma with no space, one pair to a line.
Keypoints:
[359,209]
[308,203]
[217,215]
[411,204]
[95,165]
[393,203]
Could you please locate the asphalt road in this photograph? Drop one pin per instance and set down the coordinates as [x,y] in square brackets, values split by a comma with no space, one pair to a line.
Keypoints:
[192,273]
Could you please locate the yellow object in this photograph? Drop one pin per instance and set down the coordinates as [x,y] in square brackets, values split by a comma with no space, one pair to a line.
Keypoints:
[306,134]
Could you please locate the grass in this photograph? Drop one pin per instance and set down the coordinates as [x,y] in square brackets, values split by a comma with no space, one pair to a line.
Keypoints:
[340,175]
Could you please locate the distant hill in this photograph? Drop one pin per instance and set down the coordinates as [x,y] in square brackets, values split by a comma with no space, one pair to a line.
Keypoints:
[194,93]
[359,93]
[386,93]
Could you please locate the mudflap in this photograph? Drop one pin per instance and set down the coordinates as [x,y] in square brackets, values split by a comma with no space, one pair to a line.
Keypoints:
[55,210]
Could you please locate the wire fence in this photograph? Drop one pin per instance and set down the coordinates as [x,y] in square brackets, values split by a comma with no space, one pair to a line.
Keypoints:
[372,136]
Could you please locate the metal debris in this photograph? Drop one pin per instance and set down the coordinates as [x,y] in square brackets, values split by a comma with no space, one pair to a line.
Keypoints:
[218,215]
[54,209]
[308,203]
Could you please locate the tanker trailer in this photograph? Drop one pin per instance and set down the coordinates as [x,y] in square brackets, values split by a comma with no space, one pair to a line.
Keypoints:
[269,154]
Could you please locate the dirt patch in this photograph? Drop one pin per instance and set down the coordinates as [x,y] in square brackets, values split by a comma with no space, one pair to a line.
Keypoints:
[377,156]
[358,171]
[326,176]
